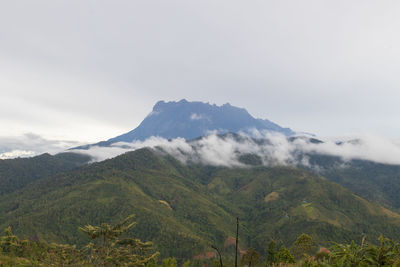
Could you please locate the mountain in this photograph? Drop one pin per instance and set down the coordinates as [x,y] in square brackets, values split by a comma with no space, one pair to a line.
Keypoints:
[194,119]
[184,208]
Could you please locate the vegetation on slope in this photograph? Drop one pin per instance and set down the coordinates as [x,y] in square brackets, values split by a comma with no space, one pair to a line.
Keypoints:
[17,173]
[184,209]
[376,182]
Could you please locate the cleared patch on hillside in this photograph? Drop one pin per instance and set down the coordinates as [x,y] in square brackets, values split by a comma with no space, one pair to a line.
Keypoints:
[205,256]
[165,203]
[390,214]
[271,197]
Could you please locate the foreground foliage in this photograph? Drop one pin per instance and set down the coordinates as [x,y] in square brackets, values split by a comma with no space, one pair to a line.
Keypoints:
[106,248]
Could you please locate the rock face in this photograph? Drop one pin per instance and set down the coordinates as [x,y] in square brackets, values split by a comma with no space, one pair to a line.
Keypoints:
[194,119]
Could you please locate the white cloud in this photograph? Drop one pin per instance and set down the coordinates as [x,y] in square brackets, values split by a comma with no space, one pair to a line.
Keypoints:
[195,117]
[365,147]
[272,148]
[17,154]
[31,144]
[215,150]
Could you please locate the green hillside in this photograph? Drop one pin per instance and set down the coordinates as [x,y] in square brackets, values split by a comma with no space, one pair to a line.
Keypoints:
[19,172]
[376,182]
[184,209]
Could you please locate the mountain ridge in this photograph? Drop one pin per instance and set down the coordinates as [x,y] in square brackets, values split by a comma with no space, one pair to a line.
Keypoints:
[191,120]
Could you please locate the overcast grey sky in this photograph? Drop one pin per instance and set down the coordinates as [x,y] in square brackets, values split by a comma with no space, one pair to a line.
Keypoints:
[90,70]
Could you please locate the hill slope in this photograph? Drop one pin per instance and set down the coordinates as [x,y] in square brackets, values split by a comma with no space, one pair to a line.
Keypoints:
[185,208]
[17,173]
[376,182]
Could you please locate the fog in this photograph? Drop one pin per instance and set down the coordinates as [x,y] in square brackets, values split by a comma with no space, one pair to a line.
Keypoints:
[271,148]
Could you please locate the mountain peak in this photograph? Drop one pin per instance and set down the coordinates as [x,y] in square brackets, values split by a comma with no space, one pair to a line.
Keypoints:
[192,119]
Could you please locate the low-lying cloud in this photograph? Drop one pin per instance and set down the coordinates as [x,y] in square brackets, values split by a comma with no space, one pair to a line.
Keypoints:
[30,144]
[272,149]
[226,150]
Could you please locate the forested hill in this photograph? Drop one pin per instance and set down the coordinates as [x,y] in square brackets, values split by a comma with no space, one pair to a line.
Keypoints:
[374,181]
[184,209]
[19,172]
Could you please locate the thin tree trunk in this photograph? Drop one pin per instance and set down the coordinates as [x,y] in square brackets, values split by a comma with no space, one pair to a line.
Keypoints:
[237,241]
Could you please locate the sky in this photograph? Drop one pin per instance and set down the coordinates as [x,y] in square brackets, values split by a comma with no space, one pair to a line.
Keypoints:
[74,72]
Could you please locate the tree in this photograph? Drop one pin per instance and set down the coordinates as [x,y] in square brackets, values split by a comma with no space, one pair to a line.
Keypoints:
[303,246]
[109,250]
[169,262]
[271,253]
[250,258]
[346,254]
[386,254]
[10,243]
[34,253]
[284,255]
